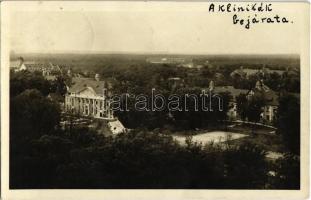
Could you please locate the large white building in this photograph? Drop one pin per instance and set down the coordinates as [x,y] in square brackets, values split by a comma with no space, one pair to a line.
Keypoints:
[89,97]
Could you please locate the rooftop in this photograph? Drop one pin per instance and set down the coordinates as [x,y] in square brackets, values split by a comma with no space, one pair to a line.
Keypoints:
[79,84]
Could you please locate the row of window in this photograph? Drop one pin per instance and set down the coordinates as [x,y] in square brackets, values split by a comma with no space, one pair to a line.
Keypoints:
[71,101]
[87,110]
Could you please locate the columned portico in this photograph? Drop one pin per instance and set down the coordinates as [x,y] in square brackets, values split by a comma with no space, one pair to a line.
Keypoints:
[87,102]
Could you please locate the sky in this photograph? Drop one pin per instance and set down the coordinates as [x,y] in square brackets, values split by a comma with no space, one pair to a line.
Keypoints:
[148,27]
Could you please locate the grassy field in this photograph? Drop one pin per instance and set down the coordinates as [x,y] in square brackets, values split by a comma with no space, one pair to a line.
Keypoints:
[259,135]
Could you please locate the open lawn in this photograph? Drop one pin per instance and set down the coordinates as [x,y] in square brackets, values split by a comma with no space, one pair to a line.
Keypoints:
[237,134]
[215,137]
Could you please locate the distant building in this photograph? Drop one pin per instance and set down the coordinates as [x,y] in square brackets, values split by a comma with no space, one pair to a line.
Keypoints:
[18,65]
[49,71]
[239,72]
[247,72]
[89,97]
[164,60]
[180,62]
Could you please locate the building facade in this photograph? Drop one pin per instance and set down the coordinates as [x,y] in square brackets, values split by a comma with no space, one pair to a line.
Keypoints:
[87,97]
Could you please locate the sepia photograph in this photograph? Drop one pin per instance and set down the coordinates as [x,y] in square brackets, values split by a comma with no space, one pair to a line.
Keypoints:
[155,95]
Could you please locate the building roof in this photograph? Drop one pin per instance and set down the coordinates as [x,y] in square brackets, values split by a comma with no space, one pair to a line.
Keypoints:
[265,70]
[228,89]
[239,72]
[116,127]
[270,97]
[79,84]
[248,71]
[251,71]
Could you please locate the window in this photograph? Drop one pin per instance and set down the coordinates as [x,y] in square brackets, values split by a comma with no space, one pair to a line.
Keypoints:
[86,110]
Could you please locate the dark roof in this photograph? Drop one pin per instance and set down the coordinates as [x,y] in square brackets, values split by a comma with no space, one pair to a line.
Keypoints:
[270,97]
[79,84]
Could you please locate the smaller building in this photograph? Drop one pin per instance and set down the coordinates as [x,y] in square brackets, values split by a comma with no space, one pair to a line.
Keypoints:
[270,99]
[116,127]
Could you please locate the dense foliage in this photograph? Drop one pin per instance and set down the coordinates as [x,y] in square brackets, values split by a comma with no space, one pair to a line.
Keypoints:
[44,156]
[288,122]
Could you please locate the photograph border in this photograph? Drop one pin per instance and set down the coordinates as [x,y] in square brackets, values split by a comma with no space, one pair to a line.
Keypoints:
[165,194]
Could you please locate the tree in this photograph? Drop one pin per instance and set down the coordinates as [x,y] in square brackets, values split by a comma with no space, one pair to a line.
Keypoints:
[287,172]
[59,85]
[242,104]
[20,81]
[273,81]
[32,113]
[254,108]
[288,122]
[246,166]
[31,116]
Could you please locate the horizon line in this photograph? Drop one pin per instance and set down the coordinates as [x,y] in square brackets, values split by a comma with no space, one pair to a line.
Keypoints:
[155,53]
